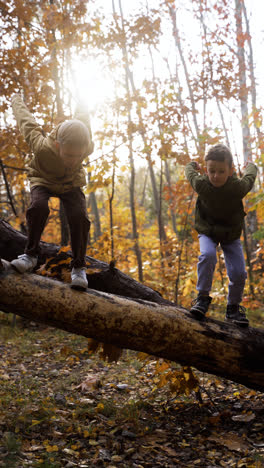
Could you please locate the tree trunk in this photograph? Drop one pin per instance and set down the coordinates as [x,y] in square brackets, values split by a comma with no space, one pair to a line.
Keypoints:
[156,195]
[210,346]
[10,197]
[243,92]
[135,234]
[96,216]
[64,227]
[178,45]
[101,275]
[167,170]
[212,81]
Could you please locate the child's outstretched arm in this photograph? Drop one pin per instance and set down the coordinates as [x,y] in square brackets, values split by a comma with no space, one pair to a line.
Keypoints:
[196,180]
[247,180]
[30,129]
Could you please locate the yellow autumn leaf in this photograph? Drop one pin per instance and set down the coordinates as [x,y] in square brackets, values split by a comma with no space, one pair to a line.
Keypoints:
[74,447]
[162,367]
[35,422]
[64,248]
[100,407]
[52,448]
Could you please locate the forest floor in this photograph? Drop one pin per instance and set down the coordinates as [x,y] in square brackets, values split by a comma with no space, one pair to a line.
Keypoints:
[60,406]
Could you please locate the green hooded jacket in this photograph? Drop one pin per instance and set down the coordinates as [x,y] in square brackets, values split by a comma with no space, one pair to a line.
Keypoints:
[45,167]
[219,211]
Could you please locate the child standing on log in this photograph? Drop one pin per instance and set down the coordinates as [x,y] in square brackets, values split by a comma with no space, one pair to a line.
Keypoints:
[219,217]
[56,170]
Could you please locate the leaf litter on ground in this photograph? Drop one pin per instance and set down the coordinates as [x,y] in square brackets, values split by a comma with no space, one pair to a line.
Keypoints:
[62,406]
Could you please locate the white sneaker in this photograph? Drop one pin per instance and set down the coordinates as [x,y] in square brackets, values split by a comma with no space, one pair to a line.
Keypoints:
[79,279]
[24,263]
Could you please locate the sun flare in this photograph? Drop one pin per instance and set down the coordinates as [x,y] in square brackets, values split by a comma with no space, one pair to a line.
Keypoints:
[90,83]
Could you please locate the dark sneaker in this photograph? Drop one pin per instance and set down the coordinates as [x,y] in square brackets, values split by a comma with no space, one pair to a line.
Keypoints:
[200,306]
[235,313]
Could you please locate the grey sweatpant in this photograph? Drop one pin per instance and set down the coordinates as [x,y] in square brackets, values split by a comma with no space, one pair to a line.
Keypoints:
[235,266]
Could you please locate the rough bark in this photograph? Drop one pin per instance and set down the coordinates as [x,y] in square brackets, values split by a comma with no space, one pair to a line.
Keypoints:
[101,275]
[163,331]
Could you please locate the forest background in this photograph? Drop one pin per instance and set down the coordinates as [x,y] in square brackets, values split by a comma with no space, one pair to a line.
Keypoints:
[163,80]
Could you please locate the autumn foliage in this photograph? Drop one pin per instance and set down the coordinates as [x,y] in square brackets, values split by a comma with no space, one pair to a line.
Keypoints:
[156,101]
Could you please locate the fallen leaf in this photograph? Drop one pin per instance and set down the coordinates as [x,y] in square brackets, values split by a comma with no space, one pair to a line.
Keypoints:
[246,417]
[91,382]
[229,440]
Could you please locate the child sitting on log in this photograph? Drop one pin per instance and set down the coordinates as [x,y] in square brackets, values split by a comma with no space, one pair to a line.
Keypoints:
[219,217]
[56,170]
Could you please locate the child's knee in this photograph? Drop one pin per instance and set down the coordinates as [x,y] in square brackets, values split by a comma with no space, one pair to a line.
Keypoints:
[208,257]
[39,206]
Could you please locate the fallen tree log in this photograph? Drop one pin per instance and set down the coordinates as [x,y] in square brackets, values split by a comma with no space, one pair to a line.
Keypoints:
[161,330]
[101,275]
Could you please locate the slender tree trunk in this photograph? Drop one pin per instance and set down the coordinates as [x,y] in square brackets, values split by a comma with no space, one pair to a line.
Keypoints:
[95,212]
[111,198]
[244,115]
[252,217]
[167,169]
[55,72]
[65,235]
[243,94]
[8,189]
[168,179]
[156,197]
[209,62]
[177,40]
[251,71]
[187,129]
[143,196]
[131,157]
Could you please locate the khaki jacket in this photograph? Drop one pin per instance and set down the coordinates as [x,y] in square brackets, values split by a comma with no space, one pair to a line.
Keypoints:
[45,167]
[219,211]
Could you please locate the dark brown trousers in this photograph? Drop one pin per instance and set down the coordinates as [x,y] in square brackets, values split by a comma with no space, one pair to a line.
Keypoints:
[75,209]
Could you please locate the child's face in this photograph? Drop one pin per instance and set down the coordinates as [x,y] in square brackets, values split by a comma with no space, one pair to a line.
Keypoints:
[218,172]
[71,155]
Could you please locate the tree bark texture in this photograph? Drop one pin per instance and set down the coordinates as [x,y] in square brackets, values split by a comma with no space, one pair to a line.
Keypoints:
[101,275]
[161,330]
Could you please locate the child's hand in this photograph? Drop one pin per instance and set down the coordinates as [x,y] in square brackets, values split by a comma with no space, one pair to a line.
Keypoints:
[197,166]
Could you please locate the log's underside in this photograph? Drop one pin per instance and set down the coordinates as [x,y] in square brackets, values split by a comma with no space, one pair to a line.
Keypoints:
[157,329]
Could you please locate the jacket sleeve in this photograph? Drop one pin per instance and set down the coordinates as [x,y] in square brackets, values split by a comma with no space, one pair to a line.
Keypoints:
[82,114]
[247,180]
[196,180]
[30,129]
